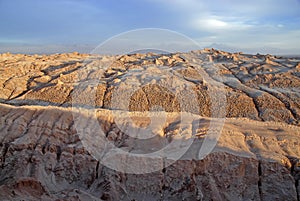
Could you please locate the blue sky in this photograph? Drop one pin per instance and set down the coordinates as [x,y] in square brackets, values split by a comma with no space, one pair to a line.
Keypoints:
[66,25]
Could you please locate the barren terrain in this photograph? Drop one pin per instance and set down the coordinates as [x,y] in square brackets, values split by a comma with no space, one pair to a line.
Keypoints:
[252,101]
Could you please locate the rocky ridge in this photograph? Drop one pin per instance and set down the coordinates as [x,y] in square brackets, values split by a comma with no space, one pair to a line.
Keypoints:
[256,158]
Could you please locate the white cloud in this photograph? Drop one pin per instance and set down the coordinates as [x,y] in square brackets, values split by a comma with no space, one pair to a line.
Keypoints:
[244,24]
[214,24]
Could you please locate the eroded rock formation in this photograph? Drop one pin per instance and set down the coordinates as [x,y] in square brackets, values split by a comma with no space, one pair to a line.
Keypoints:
[42,156]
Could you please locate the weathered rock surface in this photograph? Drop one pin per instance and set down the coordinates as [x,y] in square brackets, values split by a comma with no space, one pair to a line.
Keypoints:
[256,86]
[42,156]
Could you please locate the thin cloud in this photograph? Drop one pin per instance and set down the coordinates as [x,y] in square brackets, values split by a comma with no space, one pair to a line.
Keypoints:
[214,24]
[250,24]
[234,22]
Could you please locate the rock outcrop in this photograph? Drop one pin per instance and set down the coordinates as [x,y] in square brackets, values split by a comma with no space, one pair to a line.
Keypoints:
[44,157]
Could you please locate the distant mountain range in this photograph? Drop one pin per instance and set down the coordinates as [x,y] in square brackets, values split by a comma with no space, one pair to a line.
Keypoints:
[87,48]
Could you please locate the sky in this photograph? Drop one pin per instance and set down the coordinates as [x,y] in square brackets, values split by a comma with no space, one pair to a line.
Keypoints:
[49,26]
